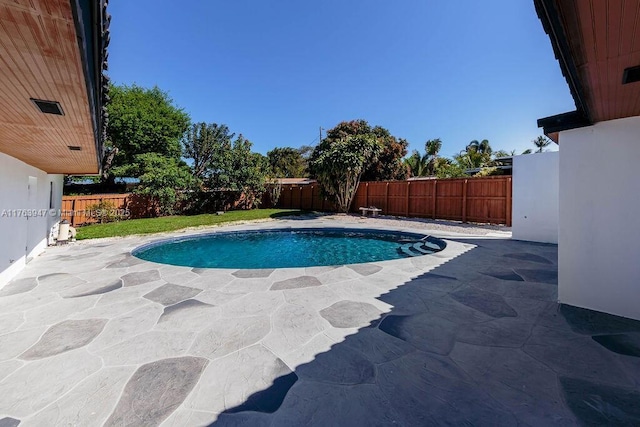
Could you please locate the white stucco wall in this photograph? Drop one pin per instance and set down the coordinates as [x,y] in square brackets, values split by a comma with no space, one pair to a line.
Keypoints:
[599,229]
[535,197]
[22,238]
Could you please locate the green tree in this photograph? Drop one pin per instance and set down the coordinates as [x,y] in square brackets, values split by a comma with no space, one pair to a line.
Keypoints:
[143,121]
[541,143]
[339,164]
[432,148]
[287,162]
[477,154]
[388,165]
[424,165]
[417,164]
[497,160]
[527,151]
[164,180]
[306,151]
[203,143]
[489,171]
[445,168]
[501,153]
[238,169]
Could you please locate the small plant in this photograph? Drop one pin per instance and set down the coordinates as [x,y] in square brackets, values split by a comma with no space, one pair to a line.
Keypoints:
[105,212]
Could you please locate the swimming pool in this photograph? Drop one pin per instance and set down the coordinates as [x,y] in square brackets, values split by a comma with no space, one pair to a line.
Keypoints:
[282,248]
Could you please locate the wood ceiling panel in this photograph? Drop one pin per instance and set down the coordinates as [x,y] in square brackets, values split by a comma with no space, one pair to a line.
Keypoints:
[604,39]
[614,22]
[40,58]
[598,14]
[628,25]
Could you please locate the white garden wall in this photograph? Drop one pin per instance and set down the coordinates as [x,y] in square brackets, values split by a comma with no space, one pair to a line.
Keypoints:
[24,188]
[599,228]
[535,197]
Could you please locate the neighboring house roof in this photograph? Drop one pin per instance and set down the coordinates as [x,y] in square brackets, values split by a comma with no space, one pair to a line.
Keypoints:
[503,163]
[296,181]
[51,111]
[474,171]
[421,178]
[598,50]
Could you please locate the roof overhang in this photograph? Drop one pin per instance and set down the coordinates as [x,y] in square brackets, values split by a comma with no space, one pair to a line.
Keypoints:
[53,50]
[565,121]
[596,44]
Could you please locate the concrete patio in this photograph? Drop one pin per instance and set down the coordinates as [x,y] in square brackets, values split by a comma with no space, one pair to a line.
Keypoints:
[90,335]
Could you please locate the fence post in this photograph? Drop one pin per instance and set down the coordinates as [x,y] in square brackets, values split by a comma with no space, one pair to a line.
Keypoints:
[366,194]
[508,202]
[407,202]
[464,200]
[73,213]
[433,202]
[386,198]
[312,186]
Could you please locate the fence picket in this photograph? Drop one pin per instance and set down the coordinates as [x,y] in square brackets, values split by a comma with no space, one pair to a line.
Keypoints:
[486,199]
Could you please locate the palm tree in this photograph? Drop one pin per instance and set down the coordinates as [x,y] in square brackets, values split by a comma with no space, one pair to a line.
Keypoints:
[417,163]
[482,147]
[420,165]
[432,148]
[476,155]
[541,143]
[527,151]
[501,153]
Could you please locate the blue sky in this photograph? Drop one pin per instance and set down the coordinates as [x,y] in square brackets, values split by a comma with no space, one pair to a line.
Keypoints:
[277,70]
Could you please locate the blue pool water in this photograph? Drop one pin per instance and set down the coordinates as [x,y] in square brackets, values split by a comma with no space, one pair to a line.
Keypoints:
[283,248]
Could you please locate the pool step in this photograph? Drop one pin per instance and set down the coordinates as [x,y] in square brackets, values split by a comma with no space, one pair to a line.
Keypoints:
[415,249]
[421,247]
[432,246]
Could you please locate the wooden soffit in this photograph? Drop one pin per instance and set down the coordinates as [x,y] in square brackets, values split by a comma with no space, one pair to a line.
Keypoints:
[595,41]
[40,59]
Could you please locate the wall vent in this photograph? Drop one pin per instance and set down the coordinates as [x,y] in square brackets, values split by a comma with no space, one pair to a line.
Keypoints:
[74,147]
[48,107]
[631,75]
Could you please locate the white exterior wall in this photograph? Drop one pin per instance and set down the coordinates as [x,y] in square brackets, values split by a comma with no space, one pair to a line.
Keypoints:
[22,238]
[599,233]
[535,197]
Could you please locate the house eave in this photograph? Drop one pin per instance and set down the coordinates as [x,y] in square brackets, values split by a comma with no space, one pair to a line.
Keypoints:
[548,15]
[93,40]
[561,122]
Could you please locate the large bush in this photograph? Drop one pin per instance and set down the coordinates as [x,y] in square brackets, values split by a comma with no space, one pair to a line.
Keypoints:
[142,121]
[387,165]
[339,165]
[164,181]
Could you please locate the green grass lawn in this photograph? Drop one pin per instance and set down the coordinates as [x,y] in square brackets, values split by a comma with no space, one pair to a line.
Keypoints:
[172,223]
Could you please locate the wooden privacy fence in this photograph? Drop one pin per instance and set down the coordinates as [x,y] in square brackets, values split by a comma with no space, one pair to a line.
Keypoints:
[484,200]
[79,210]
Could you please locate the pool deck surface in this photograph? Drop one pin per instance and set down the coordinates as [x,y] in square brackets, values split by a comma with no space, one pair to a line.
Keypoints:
[473,335]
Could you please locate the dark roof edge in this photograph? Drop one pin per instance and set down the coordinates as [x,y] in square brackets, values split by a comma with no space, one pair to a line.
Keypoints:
[564,121]
[92,30]
[548,15]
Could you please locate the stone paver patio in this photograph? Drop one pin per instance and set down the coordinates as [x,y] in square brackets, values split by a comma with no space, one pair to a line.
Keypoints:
[90,335]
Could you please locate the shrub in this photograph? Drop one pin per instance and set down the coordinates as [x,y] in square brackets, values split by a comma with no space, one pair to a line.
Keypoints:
[104,212]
